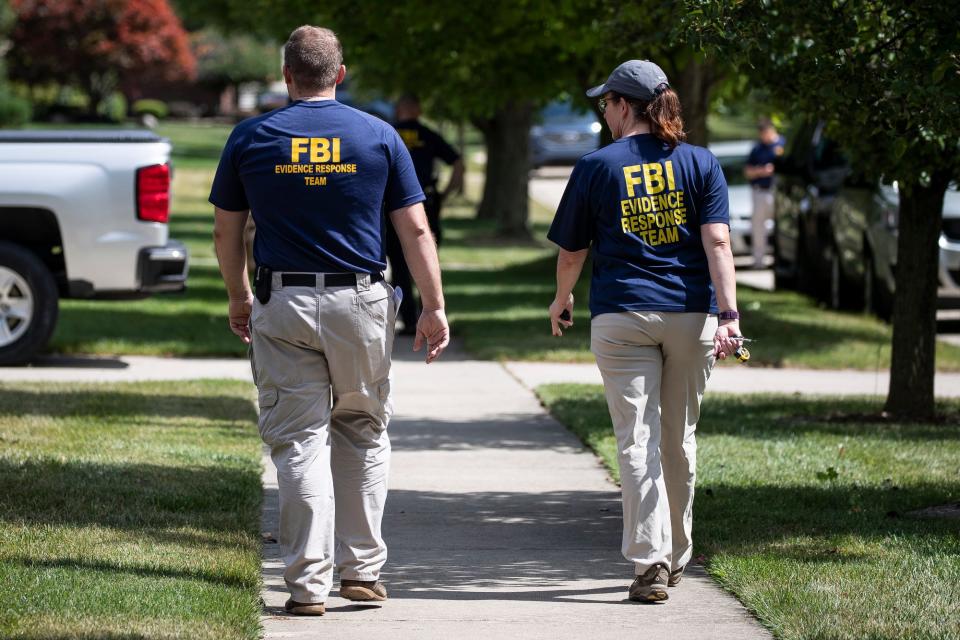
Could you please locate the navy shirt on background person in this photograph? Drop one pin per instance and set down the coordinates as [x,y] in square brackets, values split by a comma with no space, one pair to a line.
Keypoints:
[763,154]
[425,146]
[640,205]
[321,176]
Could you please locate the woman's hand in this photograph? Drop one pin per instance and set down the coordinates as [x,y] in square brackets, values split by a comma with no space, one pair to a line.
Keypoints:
[724,340]
[556,308]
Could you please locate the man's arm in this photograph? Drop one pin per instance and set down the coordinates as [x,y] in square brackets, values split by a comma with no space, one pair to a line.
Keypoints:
[231,254]
[456,178]
[716,244]
[420,252]
[569,266]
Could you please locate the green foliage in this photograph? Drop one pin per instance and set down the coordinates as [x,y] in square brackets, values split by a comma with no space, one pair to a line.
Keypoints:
[231,59]
[14,110]
[883,74]
[156,108]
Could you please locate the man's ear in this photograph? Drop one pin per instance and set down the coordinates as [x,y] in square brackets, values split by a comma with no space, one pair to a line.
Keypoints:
[287,76]
[341,74]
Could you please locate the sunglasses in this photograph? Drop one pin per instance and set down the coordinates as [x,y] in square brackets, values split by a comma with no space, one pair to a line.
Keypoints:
[602,104]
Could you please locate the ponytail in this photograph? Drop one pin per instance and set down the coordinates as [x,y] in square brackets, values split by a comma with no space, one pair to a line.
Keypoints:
[663,113]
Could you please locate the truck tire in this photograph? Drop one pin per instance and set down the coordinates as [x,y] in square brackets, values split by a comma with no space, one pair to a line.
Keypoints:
[28,304]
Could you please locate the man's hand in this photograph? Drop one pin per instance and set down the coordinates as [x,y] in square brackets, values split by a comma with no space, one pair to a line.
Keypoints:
[239,314]
[557,307]
[724,342]
[433,329]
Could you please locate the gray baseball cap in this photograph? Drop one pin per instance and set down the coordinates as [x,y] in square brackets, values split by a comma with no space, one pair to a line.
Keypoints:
[635,79]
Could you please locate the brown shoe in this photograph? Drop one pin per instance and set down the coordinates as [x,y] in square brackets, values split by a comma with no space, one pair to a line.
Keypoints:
[675,577]
[305,608]
[362,590]
[651,586]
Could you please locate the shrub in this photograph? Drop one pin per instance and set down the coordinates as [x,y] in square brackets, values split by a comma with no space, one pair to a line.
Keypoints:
[14,111]
[157,108]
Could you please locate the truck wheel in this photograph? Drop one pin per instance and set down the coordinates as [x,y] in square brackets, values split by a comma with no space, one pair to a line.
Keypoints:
[28,304]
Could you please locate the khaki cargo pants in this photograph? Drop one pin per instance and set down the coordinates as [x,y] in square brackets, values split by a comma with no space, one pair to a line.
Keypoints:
[321,362]
[655,367]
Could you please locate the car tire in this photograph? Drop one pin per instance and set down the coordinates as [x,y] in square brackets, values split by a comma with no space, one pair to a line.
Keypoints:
[876,298]
[29,304]
[841,295]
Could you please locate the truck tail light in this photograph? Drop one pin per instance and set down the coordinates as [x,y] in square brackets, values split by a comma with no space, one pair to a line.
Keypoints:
[153,193]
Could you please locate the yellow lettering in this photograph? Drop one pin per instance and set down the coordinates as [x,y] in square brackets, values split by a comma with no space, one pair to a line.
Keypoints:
[336,149]
[297,147]
[319,150]
[630,179]
[634,224]
[673,235]
[653,176]
[625,224]
[671,185]
[626,207]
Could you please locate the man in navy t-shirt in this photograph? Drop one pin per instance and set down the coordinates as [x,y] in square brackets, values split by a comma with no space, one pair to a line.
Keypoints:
[425,146]
[317,177]
[759,171]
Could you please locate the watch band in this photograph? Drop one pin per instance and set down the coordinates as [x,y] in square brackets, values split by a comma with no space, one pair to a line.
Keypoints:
[728,315]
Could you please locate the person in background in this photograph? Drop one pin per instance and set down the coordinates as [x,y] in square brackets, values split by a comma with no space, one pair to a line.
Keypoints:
[425,146]
[759,170]
[654,212]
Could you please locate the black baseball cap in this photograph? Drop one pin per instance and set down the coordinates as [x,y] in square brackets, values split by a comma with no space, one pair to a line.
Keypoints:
[639,79]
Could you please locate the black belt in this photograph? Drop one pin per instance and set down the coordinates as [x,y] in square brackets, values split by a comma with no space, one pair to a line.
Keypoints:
[325,279]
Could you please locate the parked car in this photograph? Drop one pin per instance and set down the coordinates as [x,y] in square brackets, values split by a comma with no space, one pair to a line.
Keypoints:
[733,158]
[562,135]
[83,214]
[836,232]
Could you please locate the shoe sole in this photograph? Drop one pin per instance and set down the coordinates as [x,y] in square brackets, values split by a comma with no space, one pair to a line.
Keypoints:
[307,610]
[361,594]
[656,595]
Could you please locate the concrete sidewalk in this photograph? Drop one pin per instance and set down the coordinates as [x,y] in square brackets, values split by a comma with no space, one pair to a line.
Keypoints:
[500,525]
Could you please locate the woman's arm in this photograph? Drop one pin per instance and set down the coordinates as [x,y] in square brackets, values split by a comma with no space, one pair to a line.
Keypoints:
[716,244]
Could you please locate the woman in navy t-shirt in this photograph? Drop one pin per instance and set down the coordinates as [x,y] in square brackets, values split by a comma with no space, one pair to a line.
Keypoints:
[654,211]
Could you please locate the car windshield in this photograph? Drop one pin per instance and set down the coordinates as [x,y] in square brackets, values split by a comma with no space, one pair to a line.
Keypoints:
[561,112]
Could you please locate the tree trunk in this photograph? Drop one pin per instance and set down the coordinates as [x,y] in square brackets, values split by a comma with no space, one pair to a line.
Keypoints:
[693,84]
[912,364]
[505,188]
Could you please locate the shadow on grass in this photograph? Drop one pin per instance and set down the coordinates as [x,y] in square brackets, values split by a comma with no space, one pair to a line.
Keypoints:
[131,569]
[135,496]
[93,403]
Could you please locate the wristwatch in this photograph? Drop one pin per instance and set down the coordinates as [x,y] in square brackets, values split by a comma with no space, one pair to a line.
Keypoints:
[728,315]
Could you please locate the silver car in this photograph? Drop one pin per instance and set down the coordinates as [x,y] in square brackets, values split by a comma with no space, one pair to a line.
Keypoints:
[562,135]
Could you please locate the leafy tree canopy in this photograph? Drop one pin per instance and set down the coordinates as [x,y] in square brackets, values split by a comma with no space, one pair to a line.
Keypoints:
[884,74]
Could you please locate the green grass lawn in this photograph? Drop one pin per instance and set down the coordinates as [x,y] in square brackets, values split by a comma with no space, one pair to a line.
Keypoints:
[129,511]
[803,510]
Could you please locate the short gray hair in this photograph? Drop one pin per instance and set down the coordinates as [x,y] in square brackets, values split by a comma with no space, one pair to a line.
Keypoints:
[314,56]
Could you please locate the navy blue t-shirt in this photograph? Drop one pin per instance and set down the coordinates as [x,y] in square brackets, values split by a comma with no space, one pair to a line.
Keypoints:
[640,205]
[762,154]
[425,145]
[317,177]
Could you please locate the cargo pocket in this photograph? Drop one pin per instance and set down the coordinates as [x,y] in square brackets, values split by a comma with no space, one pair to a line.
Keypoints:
[370,317]
[267,400]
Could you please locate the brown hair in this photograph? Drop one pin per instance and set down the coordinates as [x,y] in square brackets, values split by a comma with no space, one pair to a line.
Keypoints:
[663,113]
[314,56]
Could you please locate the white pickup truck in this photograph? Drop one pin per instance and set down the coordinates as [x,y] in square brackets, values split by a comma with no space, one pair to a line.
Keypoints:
[83,214]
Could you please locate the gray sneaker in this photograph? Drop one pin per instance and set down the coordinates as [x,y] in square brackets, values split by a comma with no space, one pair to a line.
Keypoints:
[651,586]
[675,577]
[362,590]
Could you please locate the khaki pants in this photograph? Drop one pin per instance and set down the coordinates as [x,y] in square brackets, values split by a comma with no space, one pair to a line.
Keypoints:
[762,211]
[655,367]
[321,362]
